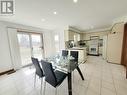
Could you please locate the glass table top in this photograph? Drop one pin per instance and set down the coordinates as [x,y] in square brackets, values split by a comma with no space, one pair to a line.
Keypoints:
[63,63]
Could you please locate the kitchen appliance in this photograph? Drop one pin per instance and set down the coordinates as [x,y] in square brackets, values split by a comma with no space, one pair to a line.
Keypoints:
[94,47]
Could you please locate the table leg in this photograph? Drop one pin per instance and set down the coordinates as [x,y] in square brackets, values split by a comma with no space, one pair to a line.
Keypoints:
[69,84]
[78,69]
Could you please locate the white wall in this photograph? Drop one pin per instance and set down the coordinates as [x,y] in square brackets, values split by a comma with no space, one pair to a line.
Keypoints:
[62,43]
[5,55]
[14,48]
[60,33]
[5,58]
[48,43]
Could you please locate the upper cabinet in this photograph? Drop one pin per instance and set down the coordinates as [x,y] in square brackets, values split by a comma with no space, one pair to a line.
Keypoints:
[69,35]
[66,35]
[76,37]
[87,36]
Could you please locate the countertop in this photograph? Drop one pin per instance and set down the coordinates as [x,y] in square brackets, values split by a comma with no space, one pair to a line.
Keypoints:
[77,48]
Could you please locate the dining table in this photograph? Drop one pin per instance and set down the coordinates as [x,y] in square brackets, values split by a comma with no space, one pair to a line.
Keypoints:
[66,64]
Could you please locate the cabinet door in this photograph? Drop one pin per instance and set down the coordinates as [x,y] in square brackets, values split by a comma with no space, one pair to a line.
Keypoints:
[66,35]
[71,35]
[78,37]
[81,36]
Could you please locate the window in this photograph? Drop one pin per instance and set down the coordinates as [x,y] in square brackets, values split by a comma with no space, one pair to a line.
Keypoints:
[30,44]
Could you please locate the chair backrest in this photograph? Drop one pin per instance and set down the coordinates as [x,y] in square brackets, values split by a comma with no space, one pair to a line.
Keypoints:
[39,71]
[50,76]
[64,53]
[74,54]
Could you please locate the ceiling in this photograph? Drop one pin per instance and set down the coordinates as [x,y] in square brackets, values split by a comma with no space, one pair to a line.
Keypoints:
[84,15]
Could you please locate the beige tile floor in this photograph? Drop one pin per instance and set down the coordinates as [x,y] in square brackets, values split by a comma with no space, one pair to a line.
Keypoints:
[101,78]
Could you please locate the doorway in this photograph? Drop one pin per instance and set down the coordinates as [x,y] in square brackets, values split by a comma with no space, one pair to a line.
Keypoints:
[31,45]
[124,51]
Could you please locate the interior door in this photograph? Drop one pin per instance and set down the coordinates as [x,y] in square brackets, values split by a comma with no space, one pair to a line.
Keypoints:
[124,52]
[125,57]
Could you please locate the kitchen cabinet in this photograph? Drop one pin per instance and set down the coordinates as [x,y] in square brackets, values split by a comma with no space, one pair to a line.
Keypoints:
[82,36]
[66,35]
[70,35]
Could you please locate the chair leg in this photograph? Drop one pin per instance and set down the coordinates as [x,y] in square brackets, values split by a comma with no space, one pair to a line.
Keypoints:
[35,80]
[56,91]
[44,88]
[73,76]
[41,84]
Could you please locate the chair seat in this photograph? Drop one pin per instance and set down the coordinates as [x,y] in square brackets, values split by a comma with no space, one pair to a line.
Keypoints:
[60,76]
[40,74]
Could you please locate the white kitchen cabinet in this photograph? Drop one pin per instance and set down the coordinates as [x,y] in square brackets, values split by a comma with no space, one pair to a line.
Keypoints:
[78,36]
[82,36]
[66,35]
[70,35]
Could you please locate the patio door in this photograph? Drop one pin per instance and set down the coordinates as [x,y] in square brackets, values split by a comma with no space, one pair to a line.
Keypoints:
[30,45]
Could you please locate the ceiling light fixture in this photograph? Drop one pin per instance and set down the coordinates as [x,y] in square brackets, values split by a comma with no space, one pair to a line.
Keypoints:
[75,1]
[54,13]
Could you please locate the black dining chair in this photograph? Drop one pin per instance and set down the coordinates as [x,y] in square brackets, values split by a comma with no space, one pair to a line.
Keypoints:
[54,78]
[38,72]
[75,55]
[64,53]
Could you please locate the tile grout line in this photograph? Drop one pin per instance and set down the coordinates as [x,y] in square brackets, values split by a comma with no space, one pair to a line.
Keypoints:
[15,86]
[89,82]
[101,79]
[113,79]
